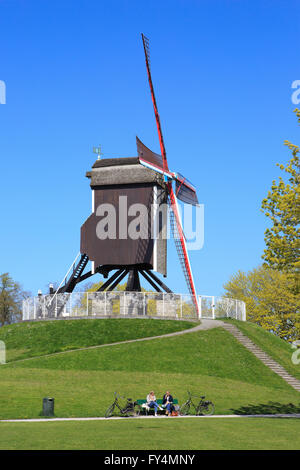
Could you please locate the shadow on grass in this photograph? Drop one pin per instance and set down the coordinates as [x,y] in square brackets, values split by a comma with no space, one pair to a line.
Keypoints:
[269,408]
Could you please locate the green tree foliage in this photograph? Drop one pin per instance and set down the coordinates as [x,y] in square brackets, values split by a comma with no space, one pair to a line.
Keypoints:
[282,207]
[271,291]
[90,287]
[11,296]
[269,300]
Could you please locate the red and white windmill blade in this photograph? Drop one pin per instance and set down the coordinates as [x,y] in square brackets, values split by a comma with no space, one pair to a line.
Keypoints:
[182,186]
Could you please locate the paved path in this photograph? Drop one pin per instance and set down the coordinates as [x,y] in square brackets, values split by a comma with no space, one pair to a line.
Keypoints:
[45,420]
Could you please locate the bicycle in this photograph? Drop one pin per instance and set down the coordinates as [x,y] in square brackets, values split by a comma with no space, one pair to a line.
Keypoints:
[205,408]
[131,409]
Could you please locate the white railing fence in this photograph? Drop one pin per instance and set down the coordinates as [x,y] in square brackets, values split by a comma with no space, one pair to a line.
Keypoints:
[129,304]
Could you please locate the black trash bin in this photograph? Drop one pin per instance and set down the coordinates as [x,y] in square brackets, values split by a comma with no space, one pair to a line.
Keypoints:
[48,406]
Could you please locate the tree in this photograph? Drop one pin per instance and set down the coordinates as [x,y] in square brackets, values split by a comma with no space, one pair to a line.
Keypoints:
[282,207]
[270,302]
[11,296]
[271,291]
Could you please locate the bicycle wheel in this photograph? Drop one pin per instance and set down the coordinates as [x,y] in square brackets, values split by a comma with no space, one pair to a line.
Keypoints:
[134,411]
[207,408]
[185,409]
[109,411]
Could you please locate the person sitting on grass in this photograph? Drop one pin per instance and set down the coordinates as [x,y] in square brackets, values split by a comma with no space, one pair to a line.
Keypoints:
[151,402]
[168,403]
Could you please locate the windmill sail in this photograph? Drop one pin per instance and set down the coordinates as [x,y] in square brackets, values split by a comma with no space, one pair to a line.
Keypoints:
[180,244]
[157,118]
[182,252]
[174,214]
[146,155]
[185,191]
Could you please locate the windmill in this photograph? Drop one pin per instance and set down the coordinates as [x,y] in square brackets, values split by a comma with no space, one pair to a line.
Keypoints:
[184,190]
[147,180]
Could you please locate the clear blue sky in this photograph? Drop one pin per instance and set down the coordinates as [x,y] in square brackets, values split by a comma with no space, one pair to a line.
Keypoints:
[75,77]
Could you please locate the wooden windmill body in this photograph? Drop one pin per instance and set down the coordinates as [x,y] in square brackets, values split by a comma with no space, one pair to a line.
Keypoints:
[124,184]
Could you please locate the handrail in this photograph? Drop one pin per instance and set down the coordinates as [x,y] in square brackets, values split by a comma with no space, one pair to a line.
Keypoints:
[132,303]
[64,278]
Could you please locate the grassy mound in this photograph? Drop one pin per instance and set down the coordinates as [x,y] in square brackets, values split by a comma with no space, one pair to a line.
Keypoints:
[276,347]
[30,339]
[211,362]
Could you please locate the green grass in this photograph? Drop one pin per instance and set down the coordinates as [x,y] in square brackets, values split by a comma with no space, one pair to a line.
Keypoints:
[208,362]
[212,353]
[276,347]
[165,434]
[31,339]
[89,393]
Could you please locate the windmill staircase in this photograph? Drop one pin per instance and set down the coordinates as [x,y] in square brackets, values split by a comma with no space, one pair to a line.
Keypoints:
[77,270]
[181,255]
[67,285]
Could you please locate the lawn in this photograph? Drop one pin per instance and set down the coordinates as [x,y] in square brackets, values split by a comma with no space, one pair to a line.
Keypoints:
[212,352]
[165,434]
[31,339]
[276,347]
[82,382]
[208,362]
